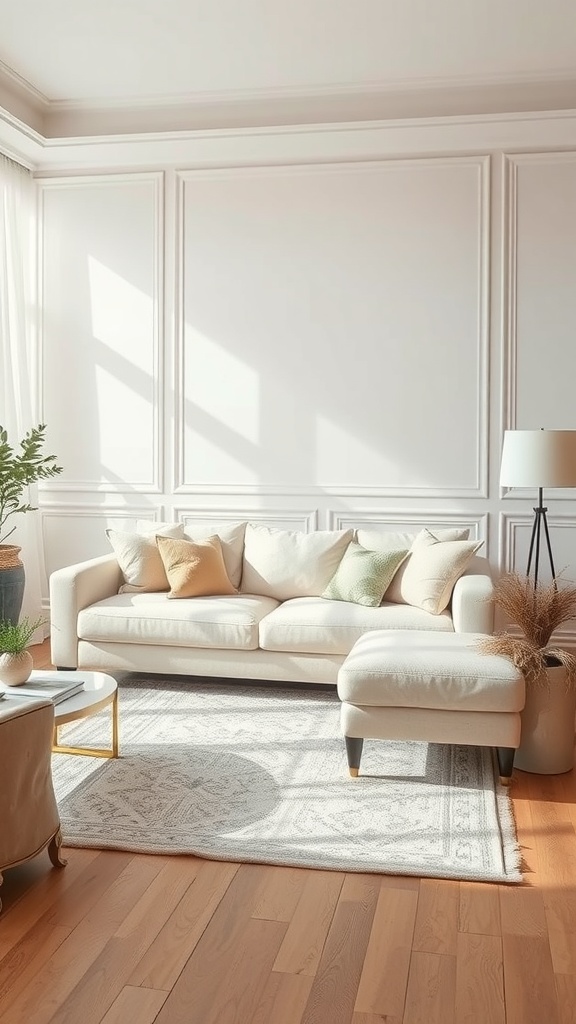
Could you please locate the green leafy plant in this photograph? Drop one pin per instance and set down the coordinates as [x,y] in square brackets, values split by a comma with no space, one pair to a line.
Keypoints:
[15,638]
[18,469]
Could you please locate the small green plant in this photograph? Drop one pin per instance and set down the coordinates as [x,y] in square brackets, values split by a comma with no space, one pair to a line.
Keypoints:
[14,639]
[18,469]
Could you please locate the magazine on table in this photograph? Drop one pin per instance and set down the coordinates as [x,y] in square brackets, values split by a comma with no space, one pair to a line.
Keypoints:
[52,688]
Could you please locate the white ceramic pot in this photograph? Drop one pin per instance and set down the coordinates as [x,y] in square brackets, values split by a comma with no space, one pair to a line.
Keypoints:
[15,669]
[547,736]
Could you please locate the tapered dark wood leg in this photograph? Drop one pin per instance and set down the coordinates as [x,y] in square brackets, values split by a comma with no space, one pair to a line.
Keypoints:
[505,764]
[354,754]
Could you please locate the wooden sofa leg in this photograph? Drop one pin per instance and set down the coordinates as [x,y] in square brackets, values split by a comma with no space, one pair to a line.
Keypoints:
[505,764]
[354,754]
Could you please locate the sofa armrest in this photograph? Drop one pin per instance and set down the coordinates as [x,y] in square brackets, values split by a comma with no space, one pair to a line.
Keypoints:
[473,599]
[72,589]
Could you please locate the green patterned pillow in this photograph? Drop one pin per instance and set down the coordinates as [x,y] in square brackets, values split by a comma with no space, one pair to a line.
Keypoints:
[363,576]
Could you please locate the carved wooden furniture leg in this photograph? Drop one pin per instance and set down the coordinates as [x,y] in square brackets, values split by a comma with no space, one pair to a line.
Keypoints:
[54,851]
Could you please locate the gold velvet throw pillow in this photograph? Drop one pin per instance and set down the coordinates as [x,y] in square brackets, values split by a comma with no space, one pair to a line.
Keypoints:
[194,568]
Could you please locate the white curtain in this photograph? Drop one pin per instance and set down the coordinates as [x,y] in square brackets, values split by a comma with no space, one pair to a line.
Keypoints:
[18,400]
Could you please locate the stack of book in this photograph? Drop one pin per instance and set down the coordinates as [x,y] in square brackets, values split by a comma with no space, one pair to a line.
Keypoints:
[53,688]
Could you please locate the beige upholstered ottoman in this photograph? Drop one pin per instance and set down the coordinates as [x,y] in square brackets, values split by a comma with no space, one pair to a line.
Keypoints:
[434,687]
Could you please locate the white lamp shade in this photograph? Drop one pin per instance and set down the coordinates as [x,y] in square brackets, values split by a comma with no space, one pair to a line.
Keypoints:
[538,458]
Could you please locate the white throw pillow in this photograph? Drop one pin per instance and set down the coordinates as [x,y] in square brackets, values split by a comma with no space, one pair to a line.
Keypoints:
[287,563]
[386,540]
[432,570]
[139,558]
[232,543]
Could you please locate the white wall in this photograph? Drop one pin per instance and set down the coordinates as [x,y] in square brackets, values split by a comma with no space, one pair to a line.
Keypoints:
[331,328]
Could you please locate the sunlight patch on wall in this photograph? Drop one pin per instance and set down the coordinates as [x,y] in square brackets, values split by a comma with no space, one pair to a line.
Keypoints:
[122,315]
[221,385]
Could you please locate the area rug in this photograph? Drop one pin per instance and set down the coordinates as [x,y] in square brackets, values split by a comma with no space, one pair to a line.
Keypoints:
[239,772]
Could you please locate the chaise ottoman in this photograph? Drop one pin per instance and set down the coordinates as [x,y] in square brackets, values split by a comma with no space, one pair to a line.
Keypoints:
[434,687]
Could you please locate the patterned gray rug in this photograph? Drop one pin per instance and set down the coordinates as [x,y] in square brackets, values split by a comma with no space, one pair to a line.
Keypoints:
[244,772]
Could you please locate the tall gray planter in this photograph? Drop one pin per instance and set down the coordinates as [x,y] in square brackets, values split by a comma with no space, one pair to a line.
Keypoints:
[12,582]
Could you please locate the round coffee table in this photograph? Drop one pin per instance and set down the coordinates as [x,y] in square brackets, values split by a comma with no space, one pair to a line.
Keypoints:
[99,691]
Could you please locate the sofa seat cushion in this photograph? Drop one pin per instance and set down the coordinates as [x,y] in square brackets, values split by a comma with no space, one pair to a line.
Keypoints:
[427,670]
[314,625]
[217,622]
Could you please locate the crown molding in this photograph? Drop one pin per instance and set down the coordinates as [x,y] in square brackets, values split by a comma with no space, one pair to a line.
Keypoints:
[462,96]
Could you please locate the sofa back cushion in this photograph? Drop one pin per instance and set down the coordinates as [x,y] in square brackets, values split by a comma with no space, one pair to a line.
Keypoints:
[139,558]
[288,563]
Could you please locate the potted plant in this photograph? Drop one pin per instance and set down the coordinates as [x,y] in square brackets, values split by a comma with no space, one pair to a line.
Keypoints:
[548,718]
[18,469]
[16,662]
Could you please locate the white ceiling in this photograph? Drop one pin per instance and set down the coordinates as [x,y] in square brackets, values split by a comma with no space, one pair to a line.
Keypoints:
[163,61]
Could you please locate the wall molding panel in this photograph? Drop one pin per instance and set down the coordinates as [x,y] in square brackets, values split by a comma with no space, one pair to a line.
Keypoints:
[280,519]
[239,187]
[408,520]
[517,526]
[528,230]
[107,286]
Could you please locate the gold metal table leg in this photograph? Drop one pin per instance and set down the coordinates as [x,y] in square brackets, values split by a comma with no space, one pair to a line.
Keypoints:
[113,751]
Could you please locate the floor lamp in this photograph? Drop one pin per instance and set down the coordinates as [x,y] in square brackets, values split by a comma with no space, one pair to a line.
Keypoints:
[538,459]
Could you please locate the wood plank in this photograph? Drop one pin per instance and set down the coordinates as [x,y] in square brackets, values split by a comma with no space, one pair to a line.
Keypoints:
[560,907]
[139,1005]
[167,955]
[243,984]
[382,988]
[335,986]
[479,909]
[373,1018]
[529,980]
[303,943]
[283,999]
[479,979]
[566,995]
[522,911]
[436,927]
[197,987]
[43,992]
[108,973]
[281,890]
[46,894]
[431,993]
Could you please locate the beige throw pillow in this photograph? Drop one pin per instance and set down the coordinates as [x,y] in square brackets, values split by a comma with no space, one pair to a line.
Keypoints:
[139,559]
[194,569]
[432,570]
[232,541]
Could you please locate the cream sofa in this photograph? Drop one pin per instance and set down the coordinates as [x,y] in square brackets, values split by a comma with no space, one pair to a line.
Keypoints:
[273,624]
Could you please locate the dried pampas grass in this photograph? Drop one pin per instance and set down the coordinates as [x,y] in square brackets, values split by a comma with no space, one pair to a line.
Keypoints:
[538,612]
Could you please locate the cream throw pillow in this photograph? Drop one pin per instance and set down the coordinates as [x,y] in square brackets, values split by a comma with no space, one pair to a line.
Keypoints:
[139,558]
[194,569]
[287,563]
[432,570]
[387,540]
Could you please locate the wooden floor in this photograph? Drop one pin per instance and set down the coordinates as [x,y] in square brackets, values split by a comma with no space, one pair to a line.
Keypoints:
[121,939]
